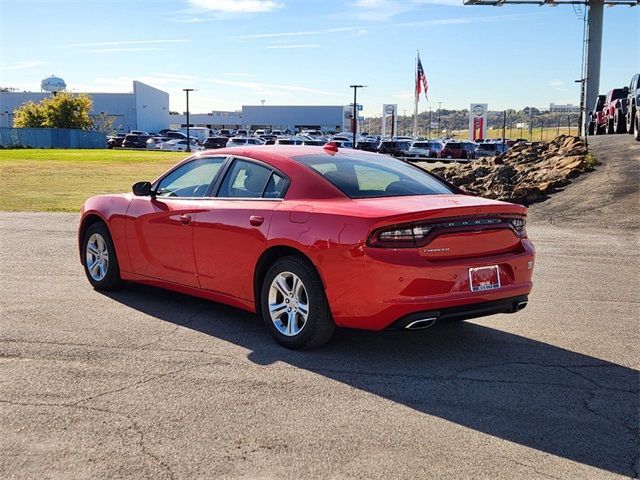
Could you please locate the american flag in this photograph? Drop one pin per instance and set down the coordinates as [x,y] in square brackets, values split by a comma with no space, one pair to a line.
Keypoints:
[421,81]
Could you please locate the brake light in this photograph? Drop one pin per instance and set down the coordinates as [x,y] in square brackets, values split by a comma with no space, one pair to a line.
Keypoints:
[399,236]
[520,226]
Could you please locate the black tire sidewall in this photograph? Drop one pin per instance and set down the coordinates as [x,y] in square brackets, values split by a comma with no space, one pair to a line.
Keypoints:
[319,319]
[111,280]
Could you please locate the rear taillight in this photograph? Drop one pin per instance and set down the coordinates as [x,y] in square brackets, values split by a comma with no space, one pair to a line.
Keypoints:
[400,236]
[520,226]
[420,234]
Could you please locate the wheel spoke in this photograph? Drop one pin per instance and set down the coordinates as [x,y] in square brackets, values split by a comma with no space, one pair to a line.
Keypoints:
[303,309]
[295,288]
[292,327]
[282,286]
[95,267]
[93,249]
[277,309]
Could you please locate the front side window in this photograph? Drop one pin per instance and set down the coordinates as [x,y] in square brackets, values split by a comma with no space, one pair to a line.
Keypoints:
[245,180]
[361,175]
[191,179]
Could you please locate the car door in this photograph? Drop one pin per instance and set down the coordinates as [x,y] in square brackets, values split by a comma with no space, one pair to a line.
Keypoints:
[160,227]
[230,231]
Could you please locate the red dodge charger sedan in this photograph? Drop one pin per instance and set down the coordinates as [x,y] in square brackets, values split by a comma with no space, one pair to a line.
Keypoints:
[313,238]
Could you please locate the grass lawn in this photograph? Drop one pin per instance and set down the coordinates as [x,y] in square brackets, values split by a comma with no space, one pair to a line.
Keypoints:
[61,180]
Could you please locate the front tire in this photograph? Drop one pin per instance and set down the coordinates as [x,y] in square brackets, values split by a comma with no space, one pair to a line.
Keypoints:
[99,258]
[636,131]
[294,306]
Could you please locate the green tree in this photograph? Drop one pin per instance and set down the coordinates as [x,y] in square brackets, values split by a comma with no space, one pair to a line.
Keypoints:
[62,110]
[29,115]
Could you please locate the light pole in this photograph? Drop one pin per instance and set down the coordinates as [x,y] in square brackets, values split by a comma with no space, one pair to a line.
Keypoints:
[187,90]
[355,111]
[439,108]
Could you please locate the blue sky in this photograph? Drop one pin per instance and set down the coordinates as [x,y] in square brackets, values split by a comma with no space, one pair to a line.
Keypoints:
[292,52]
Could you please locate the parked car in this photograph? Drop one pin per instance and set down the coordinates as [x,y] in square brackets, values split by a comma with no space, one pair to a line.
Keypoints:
[597,122]
[289,141]
[318,142]
[367,145]
[176,135]
[490,149]
[154,142]
[470,147]
[226,132]
[421,149]
[135,141]
[115,141]
[323,248]
[615,111]
[633,107]
[244,141]
[456,151]
[215,142]
[180,145]
[341,143]
[395,148]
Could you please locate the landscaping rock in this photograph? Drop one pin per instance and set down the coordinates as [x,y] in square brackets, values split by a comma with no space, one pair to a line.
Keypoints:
[526,173]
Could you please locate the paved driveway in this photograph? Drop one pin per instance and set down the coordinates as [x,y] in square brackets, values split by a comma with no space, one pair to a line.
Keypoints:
[148,384]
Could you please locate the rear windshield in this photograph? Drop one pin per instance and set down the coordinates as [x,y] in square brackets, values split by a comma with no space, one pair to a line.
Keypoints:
[488,146]
[361,175]
[453,145]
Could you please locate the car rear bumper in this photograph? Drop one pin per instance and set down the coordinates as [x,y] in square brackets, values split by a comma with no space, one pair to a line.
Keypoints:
[425,319]
[373,293]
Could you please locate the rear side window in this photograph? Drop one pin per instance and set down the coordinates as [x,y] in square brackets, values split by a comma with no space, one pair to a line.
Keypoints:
[361,175]
[251,180]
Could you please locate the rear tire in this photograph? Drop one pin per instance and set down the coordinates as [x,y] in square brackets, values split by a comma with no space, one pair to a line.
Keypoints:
[636,127]
[591,128]
[610,126]
[631,120]
[619,124]
[294,305]
[99,258]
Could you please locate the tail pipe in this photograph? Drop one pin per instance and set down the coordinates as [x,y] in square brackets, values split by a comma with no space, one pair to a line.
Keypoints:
[421,323]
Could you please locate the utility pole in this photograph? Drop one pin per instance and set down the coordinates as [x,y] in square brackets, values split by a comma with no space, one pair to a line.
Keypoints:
[187,90]
[591,61]
[355,111]
[439,108]
[504,126]
[429,127]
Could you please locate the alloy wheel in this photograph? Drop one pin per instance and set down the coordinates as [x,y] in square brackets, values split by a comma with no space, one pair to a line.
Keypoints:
[288,304]
[97,257]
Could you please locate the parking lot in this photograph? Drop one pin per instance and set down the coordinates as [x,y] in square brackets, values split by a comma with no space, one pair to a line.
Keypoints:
[149,384]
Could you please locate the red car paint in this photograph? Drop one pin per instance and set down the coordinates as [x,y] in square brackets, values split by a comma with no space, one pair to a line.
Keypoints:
[210,247]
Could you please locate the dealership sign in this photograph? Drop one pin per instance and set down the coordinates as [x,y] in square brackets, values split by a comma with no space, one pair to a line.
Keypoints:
[477,121]
[389,110]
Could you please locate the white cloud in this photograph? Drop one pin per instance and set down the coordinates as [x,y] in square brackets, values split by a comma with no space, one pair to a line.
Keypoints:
[124,49]
[359,30]
[558,85]
[309,45]
[247,75]
[21,65]
[237,6]
[125,43]
[461,20]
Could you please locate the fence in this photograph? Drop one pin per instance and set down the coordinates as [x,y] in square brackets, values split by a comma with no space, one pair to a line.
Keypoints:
[51,138]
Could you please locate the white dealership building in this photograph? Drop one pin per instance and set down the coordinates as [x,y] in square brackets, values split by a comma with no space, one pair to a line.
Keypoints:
[145,108]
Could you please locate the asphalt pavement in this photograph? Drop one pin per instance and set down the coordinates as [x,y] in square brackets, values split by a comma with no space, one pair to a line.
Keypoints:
[143,383]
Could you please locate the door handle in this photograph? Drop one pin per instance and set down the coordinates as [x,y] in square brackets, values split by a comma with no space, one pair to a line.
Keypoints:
[256,220]
[185,219]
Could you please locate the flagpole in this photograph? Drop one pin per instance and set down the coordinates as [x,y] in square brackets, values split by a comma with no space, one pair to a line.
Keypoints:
[415,94]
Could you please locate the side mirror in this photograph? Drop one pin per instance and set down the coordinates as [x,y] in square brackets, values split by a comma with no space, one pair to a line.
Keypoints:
[141,189]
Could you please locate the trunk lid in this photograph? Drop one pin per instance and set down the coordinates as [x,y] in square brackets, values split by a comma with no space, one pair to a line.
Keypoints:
[460,226]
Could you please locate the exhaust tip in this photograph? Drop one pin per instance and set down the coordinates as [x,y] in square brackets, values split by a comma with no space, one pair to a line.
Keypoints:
[421,323]
[520,306]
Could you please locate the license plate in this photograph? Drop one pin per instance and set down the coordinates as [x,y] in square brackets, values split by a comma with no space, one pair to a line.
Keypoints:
[484,278]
